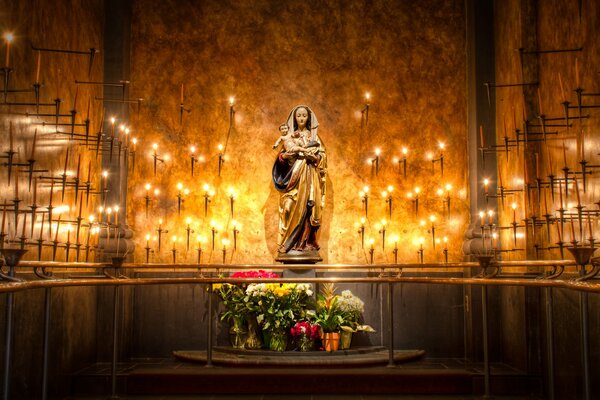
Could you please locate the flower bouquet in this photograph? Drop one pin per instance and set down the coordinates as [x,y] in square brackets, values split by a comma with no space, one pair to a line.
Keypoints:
[329,316]
[278,307]
[304,334]
[352,308]
[244,329]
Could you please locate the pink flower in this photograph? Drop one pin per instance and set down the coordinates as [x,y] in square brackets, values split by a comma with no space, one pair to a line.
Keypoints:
[254,274]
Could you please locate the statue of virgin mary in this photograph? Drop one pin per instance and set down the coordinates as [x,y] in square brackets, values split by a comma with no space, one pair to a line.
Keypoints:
[299,174]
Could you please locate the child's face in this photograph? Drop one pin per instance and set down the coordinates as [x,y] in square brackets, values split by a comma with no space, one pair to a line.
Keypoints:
[283,129]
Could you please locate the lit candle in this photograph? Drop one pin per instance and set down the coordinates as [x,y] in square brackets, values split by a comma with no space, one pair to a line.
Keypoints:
[491,215]
[486,182]
[8,37]
[147,240]
[482,216]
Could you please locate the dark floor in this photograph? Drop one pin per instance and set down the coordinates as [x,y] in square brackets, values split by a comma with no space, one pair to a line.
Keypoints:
[305,397]
[94,381]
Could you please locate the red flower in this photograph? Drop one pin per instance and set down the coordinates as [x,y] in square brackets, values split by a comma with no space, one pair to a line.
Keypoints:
[305,328]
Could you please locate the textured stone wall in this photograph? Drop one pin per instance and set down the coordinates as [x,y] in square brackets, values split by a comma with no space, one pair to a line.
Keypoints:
[271,56]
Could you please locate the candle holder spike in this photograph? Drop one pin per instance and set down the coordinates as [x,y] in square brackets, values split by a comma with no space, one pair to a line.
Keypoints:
[12,257]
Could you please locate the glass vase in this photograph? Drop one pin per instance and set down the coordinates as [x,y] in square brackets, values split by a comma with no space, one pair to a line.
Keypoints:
[237,333]
[278,341]
[305,343]
[253,341]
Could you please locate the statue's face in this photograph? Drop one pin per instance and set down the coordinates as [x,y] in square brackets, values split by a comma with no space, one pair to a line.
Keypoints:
[301,116]
[283,129]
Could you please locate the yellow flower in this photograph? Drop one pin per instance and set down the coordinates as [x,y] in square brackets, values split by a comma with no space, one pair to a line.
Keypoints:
[281,291]
[216,286]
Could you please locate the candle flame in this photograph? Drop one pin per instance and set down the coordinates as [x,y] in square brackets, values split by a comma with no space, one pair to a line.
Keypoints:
[147,186]
[404,151]
[9,37]
[193,149]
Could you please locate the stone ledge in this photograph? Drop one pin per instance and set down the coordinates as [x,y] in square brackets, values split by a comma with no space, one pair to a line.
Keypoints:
[345,358]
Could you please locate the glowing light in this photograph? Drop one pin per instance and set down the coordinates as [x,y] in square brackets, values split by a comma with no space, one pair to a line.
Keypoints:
[8,37]
[193,149]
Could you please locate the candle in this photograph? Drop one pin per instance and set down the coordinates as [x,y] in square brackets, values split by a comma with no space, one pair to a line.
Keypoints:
[559,233]
[577,191]
[537,165]
[589,218]
[37,70]
[3,217]
[32,157]
[181,101]
[562,89]
[34,190]
[564,154]
[10,136]
[514,208]
[481,135]
[486,182]
[560,195]
[540,101]
[572,230]
[147,240]
[491,215]
[481,216]
[576,72]
[8,37]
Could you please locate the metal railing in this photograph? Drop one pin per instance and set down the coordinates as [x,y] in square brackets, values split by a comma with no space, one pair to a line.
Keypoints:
[483,273]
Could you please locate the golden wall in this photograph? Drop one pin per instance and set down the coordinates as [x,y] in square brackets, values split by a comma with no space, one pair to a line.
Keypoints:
[62,152]
[270,56]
